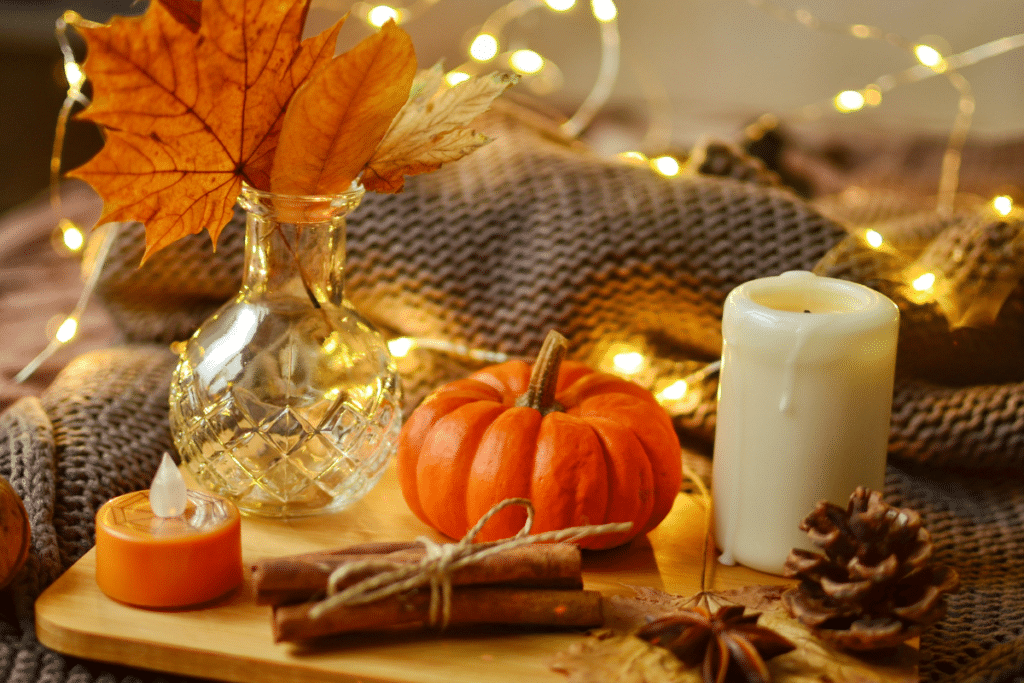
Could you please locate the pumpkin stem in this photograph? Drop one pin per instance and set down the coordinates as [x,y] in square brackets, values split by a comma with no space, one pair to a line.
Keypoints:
[544,378]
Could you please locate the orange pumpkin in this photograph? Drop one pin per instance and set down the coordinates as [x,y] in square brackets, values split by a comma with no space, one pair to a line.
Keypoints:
[584,446]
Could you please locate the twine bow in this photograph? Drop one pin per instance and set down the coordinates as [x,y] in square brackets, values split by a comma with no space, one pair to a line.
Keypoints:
[438,563]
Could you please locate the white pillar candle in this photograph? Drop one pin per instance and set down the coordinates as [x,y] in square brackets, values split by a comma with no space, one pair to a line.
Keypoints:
[804,404]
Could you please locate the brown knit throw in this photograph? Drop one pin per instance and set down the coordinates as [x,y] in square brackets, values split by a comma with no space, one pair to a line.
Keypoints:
[493,251]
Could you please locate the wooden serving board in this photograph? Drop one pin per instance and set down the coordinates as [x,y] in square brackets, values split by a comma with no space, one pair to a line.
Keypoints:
[231,639]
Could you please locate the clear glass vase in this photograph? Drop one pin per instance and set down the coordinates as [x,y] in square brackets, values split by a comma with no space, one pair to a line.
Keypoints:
[286,401]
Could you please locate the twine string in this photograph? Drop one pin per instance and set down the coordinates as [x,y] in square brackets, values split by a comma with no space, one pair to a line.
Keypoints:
[439,561]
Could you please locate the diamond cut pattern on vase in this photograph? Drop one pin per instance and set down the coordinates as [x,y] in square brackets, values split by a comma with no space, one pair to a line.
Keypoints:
[268,457]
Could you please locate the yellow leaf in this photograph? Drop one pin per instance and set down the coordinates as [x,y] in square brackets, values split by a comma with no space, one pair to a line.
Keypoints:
[336,120]
[430,130]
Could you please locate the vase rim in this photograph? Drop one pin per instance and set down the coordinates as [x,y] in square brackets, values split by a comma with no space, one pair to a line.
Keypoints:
[353,193]
[297,208]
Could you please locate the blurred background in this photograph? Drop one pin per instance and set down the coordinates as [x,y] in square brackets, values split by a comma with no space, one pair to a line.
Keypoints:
[688,68]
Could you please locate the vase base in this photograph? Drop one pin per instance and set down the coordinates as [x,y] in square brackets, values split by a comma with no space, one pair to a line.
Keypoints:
[308,506]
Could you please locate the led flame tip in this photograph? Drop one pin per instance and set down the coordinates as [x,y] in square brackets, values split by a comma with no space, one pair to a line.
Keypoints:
[873,238]
[168,494]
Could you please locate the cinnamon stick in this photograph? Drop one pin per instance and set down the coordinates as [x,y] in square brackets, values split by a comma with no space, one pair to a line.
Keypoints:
[304,577]
[473,605]
[363,549]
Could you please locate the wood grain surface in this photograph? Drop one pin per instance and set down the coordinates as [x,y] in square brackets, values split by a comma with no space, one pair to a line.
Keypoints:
[231,639]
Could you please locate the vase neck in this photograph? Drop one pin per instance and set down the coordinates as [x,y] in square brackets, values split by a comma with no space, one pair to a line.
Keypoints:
[295,246]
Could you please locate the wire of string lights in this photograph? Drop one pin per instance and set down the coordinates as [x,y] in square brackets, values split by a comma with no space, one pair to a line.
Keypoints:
[486,49]
[927,55]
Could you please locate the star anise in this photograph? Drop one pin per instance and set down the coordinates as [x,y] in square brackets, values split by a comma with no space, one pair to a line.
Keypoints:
[729,643]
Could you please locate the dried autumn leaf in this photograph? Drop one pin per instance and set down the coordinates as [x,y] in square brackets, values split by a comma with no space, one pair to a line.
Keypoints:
[430,130]
[608,656]
[814,661]
[338,118]
[190,115]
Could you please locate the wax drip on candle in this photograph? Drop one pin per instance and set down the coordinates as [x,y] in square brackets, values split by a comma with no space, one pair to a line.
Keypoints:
[802,332]
[168,494]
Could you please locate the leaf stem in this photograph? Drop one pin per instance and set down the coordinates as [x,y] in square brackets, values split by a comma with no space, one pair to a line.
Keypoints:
[303,277]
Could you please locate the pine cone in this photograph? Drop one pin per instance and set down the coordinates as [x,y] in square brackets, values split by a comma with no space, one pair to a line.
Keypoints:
[875,586]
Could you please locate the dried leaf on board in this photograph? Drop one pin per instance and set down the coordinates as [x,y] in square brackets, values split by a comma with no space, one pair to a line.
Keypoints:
[430,129]
[190,112]
[338,118]
[607,654]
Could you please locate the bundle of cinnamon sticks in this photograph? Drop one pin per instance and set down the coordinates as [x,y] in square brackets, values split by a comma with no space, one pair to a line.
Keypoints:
[538,584]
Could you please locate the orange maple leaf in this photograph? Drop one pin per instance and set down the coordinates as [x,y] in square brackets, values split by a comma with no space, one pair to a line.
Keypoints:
[337,119]
[189,113]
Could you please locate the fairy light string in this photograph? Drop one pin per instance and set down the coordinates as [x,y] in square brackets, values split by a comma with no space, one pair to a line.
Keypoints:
[928,57]
[72,235]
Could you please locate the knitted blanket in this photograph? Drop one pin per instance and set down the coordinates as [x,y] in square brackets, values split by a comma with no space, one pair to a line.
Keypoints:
[530,234]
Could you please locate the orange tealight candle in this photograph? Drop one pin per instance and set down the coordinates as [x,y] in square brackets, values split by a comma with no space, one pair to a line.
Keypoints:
[169,546]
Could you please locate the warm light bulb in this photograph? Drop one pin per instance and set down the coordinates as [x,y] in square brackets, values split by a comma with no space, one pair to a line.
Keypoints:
[484,47]
[873,238]
[928,55]
[381,14]
[628,362]
[674,391]
[453,78]
[860,31]
[604,10]
[67,330]
[75,240]
[633,157]
[526,61]
[74,74]
[666,166]
[849,100]
[1003,204]
[400,346]
[561,5]
[872,96]
[924,282]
